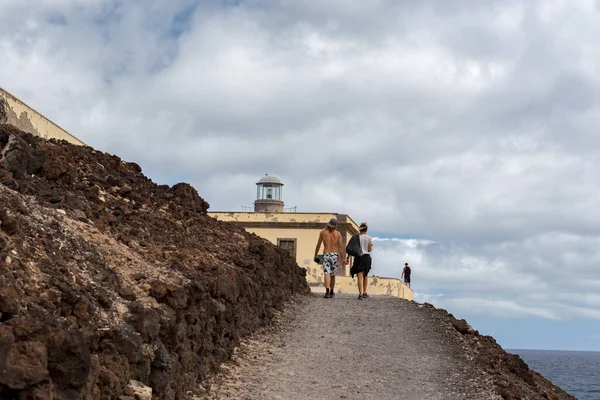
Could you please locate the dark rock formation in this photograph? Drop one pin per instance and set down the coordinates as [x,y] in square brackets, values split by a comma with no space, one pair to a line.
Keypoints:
[512,377]
[110,284]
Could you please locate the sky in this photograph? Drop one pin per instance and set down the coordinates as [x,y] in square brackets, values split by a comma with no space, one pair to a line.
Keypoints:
[465,133]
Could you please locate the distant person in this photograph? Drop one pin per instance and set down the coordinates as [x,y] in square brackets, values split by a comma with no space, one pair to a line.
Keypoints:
[362,265]
[406,274]
[333,251]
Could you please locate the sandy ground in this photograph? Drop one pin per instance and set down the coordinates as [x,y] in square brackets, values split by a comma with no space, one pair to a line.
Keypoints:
[343,348]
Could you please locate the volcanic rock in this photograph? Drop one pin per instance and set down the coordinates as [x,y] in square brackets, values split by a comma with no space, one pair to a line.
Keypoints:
[112,286]
[512,377]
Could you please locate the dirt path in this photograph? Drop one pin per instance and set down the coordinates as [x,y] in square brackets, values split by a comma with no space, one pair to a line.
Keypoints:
[343,348]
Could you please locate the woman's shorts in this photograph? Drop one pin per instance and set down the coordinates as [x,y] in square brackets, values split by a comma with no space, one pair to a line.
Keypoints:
[361,264]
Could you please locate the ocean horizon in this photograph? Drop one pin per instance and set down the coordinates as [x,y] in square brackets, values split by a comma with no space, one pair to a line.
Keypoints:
[576,372]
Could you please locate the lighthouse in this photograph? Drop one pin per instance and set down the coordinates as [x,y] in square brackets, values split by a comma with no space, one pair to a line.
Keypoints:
[269,194]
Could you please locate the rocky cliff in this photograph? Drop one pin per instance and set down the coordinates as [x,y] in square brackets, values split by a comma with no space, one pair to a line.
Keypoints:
[112,285]
[512,378]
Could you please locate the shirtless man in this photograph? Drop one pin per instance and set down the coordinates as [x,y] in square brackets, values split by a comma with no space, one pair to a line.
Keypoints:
[333,252]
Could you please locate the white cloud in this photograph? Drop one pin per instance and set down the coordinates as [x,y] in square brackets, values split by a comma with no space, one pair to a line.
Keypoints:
[470,125]
[495,308]
[505,280]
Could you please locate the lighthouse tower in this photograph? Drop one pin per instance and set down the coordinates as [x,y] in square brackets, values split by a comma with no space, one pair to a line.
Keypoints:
[268,194]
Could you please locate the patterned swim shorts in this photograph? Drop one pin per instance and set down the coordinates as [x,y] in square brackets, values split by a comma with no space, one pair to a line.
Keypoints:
[330,263]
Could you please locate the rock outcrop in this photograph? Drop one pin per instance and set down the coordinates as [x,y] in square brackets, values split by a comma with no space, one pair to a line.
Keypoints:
[113,287]
[513,380]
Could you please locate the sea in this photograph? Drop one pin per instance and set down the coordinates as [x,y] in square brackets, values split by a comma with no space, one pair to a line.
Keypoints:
[576,372]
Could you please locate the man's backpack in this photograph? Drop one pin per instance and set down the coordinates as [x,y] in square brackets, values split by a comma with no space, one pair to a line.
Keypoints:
[353,248]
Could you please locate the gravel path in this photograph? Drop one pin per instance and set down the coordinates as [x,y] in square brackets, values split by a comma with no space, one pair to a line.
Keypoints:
[343,348]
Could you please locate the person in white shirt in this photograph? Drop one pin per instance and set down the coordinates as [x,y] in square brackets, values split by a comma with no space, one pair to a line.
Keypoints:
[362,265]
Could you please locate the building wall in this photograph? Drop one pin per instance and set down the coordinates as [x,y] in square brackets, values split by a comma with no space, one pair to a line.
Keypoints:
[319,218]
[304,227]
[306,241]
[14,112]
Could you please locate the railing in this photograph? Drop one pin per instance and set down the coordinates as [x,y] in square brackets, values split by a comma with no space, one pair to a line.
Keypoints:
[287,210]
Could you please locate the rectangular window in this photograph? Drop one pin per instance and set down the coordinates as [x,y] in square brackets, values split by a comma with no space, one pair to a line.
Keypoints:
[289,245]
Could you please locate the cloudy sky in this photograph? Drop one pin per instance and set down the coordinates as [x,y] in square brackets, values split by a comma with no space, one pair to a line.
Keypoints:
[465,133]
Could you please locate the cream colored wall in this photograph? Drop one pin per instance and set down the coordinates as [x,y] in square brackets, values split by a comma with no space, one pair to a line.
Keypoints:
[306,238]
[19,114]
[306,241]
[375,285]
[321,218]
